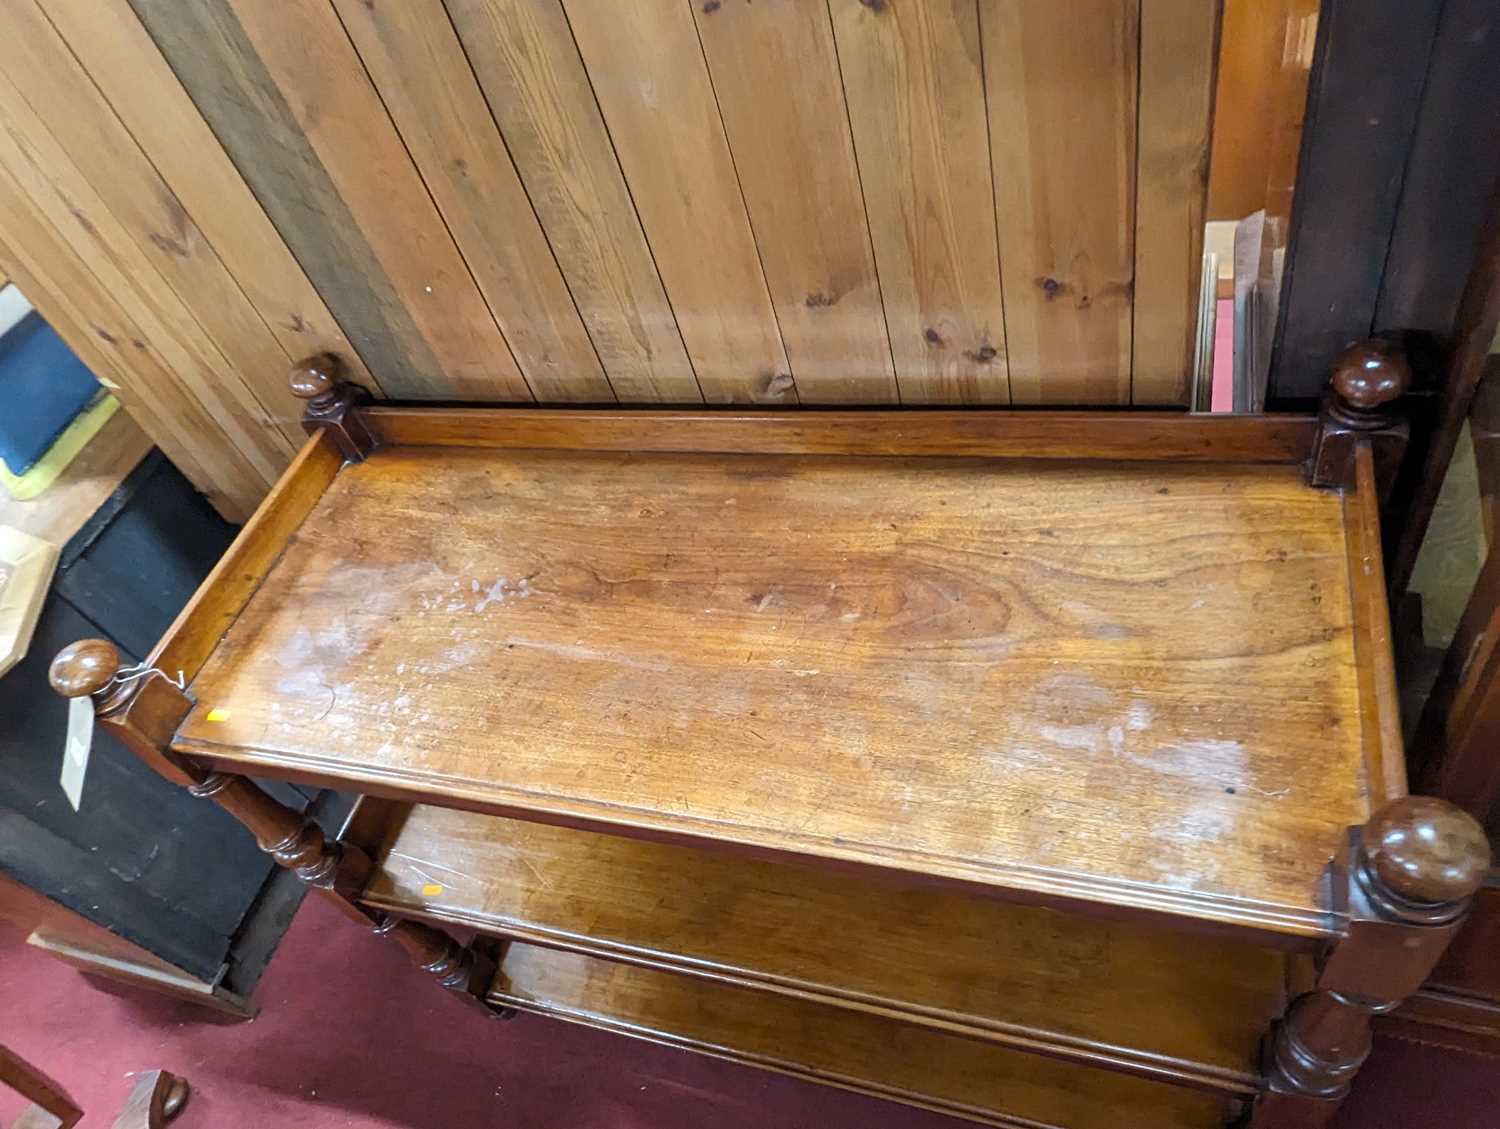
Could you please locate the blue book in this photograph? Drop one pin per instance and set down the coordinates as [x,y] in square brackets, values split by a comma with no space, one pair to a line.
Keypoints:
[43,386]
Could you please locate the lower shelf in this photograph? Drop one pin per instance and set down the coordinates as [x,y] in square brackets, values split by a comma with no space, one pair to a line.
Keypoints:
[1181,1008]
[850,1049]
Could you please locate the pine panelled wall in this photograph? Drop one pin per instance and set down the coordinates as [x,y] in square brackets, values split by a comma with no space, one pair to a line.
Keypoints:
[785,202]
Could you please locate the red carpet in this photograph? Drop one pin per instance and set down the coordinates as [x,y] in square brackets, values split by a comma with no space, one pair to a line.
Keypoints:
[351,1037]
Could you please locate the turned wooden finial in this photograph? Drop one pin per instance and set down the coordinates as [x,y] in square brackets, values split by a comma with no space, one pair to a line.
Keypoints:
[332,403]
[314,377]
[1364,382]
[1425,851]
[1367,376]
[84,667]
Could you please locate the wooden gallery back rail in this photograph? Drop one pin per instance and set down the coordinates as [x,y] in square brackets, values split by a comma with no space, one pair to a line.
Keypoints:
[1042,769]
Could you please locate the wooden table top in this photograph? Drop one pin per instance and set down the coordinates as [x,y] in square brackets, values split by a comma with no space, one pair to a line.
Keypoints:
[1130,683]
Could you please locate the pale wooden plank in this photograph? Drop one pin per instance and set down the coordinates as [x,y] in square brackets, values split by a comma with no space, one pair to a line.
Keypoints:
[653,88]
[163,326]
[218,66]
[82,124]
[539,93]
[1178,39]
[418,66]
[307,53]
[776,74]
[289,99]
[913,78]
[1061,84]
[140,87]
[86,316]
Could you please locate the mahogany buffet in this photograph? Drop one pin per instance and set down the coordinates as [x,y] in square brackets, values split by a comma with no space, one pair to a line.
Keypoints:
[1041,768]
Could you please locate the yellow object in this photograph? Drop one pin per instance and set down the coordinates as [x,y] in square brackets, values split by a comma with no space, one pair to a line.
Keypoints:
[64,450]
[431,890]
[218,715]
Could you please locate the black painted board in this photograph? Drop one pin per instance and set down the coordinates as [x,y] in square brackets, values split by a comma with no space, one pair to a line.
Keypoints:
[133,567]
[144,858]
[1364,95]
[1453,168]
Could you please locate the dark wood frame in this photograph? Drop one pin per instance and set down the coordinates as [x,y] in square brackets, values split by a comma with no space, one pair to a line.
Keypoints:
[155,1098]
[50,1103]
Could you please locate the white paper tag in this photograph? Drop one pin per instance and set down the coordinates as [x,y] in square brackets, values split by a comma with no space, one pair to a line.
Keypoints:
[76,750]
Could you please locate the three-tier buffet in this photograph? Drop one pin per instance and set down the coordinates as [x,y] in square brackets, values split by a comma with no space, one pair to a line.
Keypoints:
[1041,768]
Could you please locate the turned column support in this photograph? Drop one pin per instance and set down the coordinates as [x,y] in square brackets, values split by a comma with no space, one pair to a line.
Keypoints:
[1402,889]
[467,969]
[293,840]
[144,707]
[1364,383]
[332,404]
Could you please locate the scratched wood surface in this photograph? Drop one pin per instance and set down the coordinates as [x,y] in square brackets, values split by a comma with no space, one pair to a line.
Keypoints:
[790,202]
[1122,683]
[865,1053]
[1077,987]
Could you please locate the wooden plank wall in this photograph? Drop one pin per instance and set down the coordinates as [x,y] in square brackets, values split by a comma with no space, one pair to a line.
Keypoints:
[672,201]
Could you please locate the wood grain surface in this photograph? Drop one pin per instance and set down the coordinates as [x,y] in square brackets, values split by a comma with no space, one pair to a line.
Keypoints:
[41,262]
[1147,436]
[648,72]
[194,634]
[913,76]
[418,66]
[63,265]
[1065,191]
[525,58]
[88,156]
[290,101]
[1178,41]
[776,74]
[842,1048]
[1379,701]
[1126,684]
[1096,992]
[58,177]
[799,204]
[141,89]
